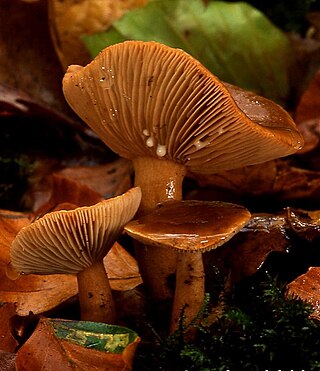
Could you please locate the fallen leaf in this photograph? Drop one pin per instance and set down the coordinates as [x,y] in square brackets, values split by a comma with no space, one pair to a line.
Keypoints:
[245,253]
[305,224]
[10,224]
[309,104]
[310,129]
[235,41]
[71,345]
[8,343]
[64,190]
[23,33]
[250,180]
[36,294]
[122,269]
[292,183]
[307,288]
[80,185]
[7,361]
[277,179]
[107,180]
[70,19]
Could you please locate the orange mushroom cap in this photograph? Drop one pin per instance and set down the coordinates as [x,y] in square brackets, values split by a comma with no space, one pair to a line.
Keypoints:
[148,99]
[189,225]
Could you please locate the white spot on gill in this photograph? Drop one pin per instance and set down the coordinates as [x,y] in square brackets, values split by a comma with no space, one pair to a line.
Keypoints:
[220,131]
[150,142]
[199,144]
[161,150]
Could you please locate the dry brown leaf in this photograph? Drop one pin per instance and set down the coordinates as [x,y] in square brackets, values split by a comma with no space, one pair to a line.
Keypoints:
[249,180]
[107,180]
[40,294]
[10,224]
[244,254]
[122,268]
[309,105]
[70,19]
[44,350]
[7,341]
[293,183]
[305,224]
[277,179]
[310,129]
[27,58]
[307,288]
[80,185]
[7,361]
[36,294]
[63,190]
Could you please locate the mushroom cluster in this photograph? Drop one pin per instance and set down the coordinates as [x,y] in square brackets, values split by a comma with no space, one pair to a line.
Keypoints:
[162,109]
[75,242]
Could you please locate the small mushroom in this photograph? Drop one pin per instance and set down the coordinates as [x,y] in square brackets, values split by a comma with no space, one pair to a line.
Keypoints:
[191,228]
[75,242]
[159,107]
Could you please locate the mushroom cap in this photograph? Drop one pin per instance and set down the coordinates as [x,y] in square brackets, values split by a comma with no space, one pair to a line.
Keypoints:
[148,99]
[68,241]
[189,225]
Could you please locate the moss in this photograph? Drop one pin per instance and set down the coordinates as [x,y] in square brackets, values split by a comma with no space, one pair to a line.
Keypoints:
[259,329]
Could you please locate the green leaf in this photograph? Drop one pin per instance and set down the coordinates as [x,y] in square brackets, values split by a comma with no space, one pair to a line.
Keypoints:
[94,335]
[234,41]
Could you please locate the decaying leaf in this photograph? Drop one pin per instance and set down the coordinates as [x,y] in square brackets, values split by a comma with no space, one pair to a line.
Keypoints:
[23,34]
[250,180]
[80,185]
[309,105]
[7,361]
[244,254]
[70,19]
[122,268]
[7,341]
[37,294]
[307,287]
[305,224]
[71,345]
[107,180]
[10,224]
[277,179]
[61,190]
[310,130]
[292,183]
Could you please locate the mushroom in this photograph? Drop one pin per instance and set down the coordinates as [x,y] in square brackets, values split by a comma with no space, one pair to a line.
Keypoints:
[75,242]
[191,228]
[159,107]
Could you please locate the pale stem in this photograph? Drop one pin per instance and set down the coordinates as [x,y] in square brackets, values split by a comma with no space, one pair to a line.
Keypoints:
[95,296]
[160,180]
[190,291]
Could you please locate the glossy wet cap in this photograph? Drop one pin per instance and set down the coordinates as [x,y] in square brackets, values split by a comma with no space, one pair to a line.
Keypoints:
[147,99]
[69,241]
[189,225]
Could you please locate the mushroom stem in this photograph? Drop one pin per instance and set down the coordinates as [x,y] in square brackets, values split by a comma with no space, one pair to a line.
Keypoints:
[189,291]
[95,296]
[160,180]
